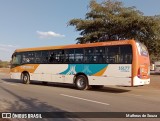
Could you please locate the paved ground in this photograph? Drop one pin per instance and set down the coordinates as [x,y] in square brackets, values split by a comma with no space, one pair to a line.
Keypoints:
[4,70]
[15,96]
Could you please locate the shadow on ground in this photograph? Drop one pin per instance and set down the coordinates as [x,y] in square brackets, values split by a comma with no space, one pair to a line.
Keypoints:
[71,86]
[24,104]
[111,90]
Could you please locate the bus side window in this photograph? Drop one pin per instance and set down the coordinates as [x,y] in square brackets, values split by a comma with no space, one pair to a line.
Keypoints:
[112,54]
[69,56]
[23,58]
[38,56]
[45,56]
[57,56]
[99,56]
[28,57]
[51,57]
[89,55]
[126,54]
[79,55]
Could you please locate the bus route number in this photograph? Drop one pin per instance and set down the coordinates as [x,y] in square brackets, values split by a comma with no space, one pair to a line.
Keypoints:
[124,68]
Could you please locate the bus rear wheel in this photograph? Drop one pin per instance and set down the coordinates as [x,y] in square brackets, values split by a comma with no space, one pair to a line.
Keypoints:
[81,82]
[26,78]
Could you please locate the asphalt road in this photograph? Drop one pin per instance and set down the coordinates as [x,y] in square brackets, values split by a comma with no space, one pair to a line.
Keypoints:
[36,97]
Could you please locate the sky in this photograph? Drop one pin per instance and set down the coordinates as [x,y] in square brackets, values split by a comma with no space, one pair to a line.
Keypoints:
[35,23]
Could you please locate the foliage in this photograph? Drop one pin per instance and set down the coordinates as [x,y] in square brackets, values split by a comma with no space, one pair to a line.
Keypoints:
[4,64]
[110,20]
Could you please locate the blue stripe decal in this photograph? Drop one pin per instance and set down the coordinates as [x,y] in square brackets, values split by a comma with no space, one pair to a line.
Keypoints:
[88,69]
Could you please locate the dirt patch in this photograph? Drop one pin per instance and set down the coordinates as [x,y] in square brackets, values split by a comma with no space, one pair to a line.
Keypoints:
[5,70]
[5,120]
[155,81]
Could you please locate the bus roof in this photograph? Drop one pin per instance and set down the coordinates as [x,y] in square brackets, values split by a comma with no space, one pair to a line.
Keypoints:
[120,42]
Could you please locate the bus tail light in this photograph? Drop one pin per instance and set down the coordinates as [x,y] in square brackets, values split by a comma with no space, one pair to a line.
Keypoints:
[139,73]
[143,72]
[148,70]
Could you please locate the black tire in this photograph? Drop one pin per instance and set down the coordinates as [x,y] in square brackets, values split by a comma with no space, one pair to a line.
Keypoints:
[97,86]
[26,78]
[81,82]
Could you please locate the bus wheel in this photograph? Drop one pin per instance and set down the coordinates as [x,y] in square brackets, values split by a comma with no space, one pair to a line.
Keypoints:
[26,78]
[81,83]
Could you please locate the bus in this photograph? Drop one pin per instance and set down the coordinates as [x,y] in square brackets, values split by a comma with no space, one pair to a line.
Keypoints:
[123,62]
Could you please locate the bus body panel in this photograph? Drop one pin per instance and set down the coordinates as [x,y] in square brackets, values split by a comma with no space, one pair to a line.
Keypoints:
[15,75]
[141,72]
[137,81]
[98,74]
[119,81]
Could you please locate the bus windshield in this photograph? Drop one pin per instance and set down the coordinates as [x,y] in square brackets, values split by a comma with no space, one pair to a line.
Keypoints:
[142,49]
[16,59]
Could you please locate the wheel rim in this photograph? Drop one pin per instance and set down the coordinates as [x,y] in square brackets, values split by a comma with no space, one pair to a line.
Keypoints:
[81,82]
[25,78]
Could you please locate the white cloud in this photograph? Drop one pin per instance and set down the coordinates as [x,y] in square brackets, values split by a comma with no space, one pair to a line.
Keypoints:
[49,34]
[7,48]
[6,51]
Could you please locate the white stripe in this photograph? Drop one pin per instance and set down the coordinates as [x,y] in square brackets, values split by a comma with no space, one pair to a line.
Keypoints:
[85,99]
[155,90]
[10,83]
[135,95]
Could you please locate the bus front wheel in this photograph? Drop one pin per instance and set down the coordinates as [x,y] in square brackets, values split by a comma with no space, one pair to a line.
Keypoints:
[26,78]
[81,82]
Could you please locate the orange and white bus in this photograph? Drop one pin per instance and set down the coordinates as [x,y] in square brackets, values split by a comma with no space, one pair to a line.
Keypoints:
[124,62]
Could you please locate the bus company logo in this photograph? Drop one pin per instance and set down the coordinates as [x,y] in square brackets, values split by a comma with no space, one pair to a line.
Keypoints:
[86,69]
[27,67]
[21,115]
[71,70]
[6,115]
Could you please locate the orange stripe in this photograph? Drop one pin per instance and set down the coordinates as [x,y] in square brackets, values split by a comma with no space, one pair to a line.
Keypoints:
[100,73]
[122,42]
[28,67]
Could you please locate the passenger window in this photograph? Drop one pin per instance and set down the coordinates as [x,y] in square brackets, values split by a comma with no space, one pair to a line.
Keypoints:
[79,54]
[69,56]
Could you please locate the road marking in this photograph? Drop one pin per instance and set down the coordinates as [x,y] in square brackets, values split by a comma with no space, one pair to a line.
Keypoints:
[85,99]
[135,95]
[156,90]
[10,83]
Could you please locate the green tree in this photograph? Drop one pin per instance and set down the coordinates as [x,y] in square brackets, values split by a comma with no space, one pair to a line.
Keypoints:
[110,20]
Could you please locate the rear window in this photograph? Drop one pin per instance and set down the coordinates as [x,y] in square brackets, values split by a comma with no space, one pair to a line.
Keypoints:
[142,49]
